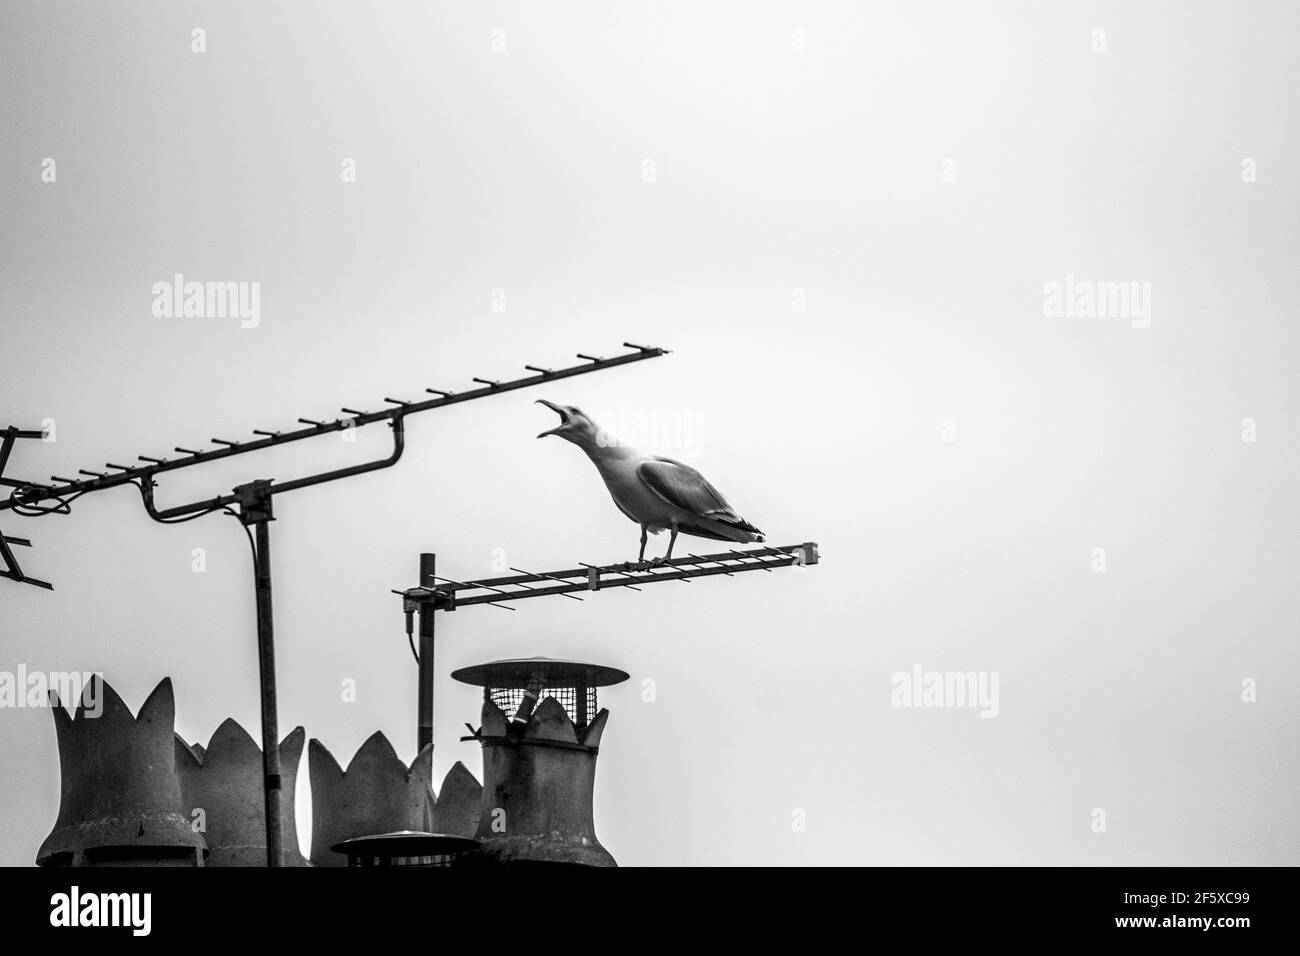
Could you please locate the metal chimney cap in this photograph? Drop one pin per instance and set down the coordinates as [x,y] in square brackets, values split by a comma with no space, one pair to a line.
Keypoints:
[406,843]
[516,672]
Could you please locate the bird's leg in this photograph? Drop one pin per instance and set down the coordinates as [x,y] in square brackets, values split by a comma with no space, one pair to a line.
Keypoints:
[641,557]
[671,541]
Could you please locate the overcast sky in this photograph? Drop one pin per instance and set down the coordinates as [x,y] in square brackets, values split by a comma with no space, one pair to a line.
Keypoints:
[842,218]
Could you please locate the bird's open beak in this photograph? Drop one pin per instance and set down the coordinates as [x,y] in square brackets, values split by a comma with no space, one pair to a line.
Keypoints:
[564,417]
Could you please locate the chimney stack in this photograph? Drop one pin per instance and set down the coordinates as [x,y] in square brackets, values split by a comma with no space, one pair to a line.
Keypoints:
[540,737]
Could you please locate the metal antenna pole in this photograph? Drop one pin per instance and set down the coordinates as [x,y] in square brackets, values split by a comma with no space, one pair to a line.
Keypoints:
[428,579]
[255,509]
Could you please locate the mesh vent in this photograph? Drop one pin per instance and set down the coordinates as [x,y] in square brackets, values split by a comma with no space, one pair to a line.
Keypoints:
[509,698]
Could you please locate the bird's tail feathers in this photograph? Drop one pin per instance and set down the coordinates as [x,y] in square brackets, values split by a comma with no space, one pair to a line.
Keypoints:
[744,525]
[740,529]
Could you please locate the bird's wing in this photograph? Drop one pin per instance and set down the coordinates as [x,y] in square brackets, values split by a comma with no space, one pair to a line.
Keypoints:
[683,487]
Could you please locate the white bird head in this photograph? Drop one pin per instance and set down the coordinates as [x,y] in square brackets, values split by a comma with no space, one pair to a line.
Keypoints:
[574,425]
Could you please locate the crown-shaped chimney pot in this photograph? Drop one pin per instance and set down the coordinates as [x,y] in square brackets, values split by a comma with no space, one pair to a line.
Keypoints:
[457,808]
[222,786]
[119,800]
[378,793]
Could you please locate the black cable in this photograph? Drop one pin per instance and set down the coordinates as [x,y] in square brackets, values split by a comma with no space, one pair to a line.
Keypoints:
[36,511]
[251,545]
[64,505]
[248,534]
[201,514]
[181,520]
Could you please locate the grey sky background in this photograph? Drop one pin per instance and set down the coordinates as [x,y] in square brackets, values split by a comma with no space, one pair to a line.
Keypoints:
[776,170]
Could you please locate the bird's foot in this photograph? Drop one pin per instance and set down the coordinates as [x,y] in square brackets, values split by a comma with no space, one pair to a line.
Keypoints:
[657,562]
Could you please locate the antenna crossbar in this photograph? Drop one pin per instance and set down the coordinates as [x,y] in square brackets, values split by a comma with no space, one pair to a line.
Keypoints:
[449,595]
[33,499]
[29,493]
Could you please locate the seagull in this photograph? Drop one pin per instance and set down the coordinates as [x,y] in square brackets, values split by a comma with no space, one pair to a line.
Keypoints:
[657,493]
